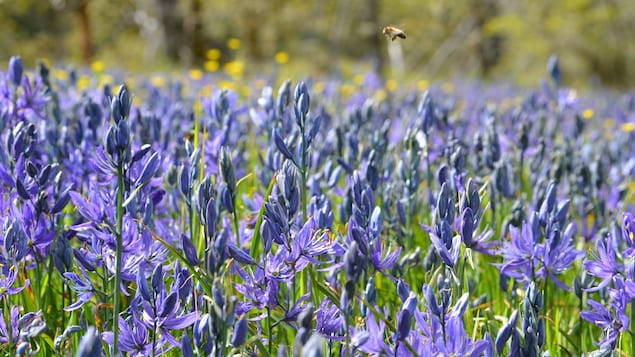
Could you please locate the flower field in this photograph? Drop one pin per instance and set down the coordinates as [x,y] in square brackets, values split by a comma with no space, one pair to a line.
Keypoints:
[170,216]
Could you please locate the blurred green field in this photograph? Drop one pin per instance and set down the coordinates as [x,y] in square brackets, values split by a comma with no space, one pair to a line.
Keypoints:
[478,39]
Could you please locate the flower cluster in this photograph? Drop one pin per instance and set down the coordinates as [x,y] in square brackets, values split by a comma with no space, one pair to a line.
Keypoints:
[179,218]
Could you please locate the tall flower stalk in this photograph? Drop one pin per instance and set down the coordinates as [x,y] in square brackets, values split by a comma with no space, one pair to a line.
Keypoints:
[118,147]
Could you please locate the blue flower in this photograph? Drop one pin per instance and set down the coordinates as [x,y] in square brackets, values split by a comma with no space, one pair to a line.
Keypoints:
[82,286]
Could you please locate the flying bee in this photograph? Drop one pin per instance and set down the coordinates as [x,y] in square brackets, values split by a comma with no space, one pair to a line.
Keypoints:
[189,136]
[393,32]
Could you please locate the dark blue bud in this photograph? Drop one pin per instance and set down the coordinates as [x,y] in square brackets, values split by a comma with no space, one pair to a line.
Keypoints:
[305,318]
[240,333]
[375,225]
[506,332]
[541,332]
[186,346]
[315,128]
[125,101]
[81,259]
[111,141]
[282,147]
[149,169]
[359,236]
[240,255]
[31,170]
[45,173]
[401,212]
[189,250]
[139,154]
[115,109]
[351,262]
[561,213]
[220,245]
[123,135]
[371,291]
[217,293]
[402,290]
[157,279]
[168,305]
[227,168]
[227,199]
[15,70]
[442,201]
[403,324]
[284,96]
[431,299]
[62,201]
[210,217]
[184,180]
[300,89]
[142,286]
[467,226]
[410,303]
[303,104]
[90,344]
[21,189]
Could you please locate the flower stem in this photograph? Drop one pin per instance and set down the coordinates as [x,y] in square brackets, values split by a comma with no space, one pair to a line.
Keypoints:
[304,279]
[8,323]
[154,328]
[235,216]
[115,319]
[429,173]
[269,328]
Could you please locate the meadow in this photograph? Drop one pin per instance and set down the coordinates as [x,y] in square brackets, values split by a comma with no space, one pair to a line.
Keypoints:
[196,214]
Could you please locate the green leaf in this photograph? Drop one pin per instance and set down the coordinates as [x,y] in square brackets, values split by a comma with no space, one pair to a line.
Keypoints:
[261,348]
[324,289]
[200,275]
[255,242]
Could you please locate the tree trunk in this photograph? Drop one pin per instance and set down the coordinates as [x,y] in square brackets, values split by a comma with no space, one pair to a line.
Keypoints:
[86,44]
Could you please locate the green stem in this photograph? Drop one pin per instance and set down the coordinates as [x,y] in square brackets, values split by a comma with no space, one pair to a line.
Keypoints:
[154,328]
[235,215]
[8,323]
[269,327]
[580,346]
[348,337]
[304,279]
[462,274]
[119,253]
[429,173]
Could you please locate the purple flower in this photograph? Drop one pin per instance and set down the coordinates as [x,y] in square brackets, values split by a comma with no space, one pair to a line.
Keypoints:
[169,316]
[82,287]
[134,338]
[559,255]
[613,320]
[605,265]
[329,321]
[310,243]
[449,254]
[481,242]
[13,320]
[7,280]
[520,254]
[383,263]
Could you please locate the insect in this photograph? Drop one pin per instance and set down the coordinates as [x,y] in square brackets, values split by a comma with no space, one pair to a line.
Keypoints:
[393,32]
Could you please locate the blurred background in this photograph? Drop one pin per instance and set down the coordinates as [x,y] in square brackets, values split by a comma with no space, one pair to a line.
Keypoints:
[489,39]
